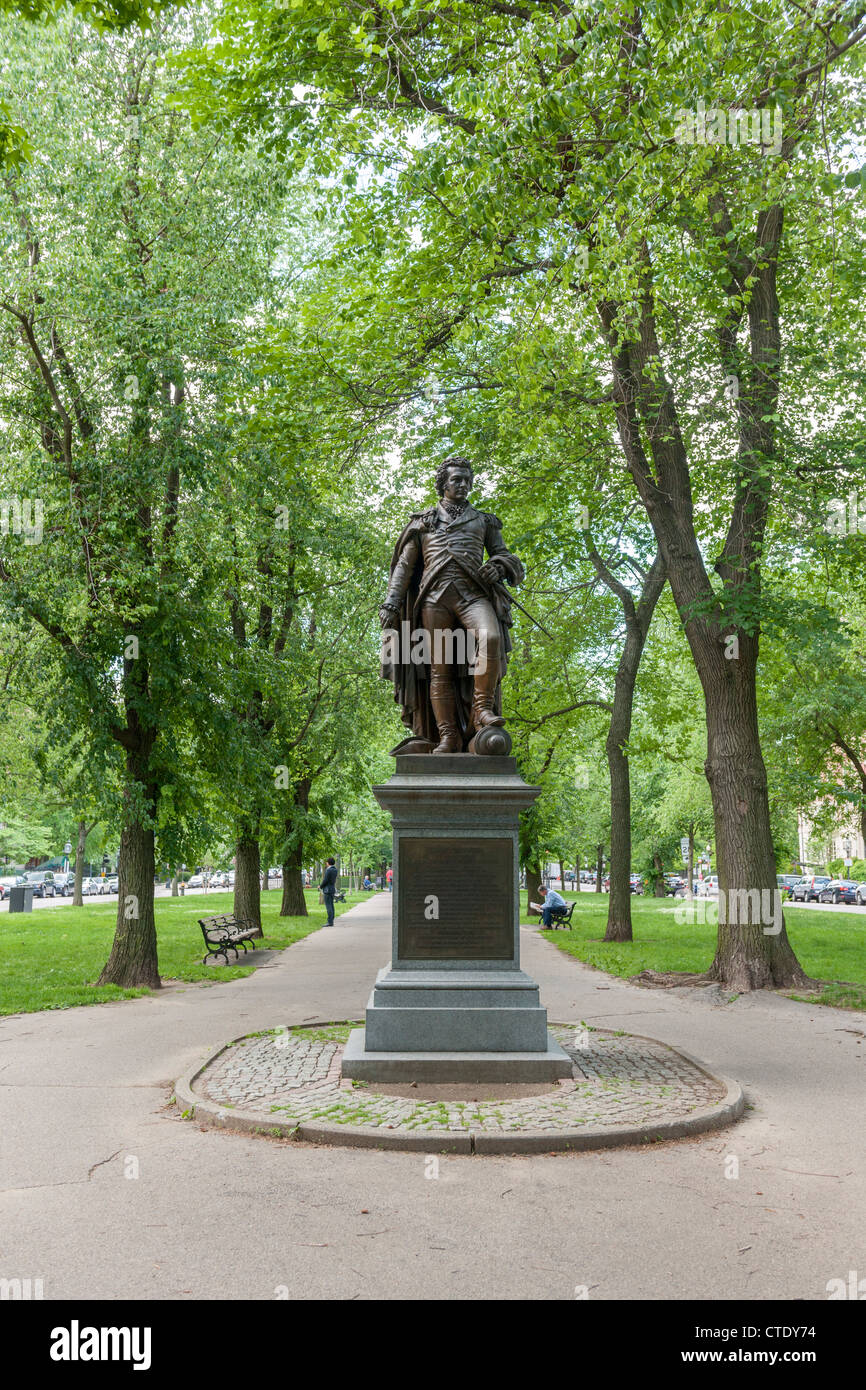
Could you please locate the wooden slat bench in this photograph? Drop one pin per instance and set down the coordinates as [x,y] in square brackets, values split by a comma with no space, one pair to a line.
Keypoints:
[561,917]
[223,934]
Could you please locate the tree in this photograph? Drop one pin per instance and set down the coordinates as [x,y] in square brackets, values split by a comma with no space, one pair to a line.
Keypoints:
[112,364]
[683,254]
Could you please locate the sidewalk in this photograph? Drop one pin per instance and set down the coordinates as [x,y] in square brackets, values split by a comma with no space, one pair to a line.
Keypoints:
[83,1101]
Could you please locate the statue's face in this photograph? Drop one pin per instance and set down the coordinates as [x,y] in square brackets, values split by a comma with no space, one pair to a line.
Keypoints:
[457,484]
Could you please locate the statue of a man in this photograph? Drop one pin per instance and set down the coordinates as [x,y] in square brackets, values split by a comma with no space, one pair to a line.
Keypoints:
[440,586]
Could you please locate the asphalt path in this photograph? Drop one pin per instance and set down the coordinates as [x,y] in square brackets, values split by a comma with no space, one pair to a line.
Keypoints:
[107,1192]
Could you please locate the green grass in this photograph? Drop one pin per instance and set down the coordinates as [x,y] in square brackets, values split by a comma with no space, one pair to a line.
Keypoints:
[831,946]
[52,956]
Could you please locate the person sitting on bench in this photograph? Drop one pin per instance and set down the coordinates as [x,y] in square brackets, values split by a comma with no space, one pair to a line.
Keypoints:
[552,903]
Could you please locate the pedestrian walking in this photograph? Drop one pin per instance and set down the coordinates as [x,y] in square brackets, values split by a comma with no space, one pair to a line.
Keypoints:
[328,888]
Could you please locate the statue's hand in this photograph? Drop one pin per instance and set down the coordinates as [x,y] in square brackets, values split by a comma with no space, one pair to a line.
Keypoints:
[388,616]
[491,571]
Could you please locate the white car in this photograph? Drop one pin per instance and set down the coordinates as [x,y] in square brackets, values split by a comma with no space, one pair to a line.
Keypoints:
[89,886]
[195,882]
[708,887]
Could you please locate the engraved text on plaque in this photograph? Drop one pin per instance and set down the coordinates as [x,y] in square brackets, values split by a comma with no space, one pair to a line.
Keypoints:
[470,884]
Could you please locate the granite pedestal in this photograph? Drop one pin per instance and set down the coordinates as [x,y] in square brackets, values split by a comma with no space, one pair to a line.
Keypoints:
[453,1003]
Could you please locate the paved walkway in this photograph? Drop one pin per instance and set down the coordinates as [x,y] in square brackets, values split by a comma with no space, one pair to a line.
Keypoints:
[108,1193]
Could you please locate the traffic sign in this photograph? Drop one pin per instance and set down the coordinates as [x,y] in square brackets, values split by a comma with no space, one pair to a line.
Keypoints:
[67,848]
[684,848]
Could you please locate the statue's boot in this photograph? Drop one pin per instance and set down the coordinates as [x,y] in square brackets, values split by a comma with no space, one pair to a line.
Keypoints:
[483,712]
[445,712]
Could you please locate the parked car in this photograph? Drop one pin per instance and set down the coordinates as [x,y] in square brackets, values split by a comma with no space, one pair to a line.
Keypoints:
[861,894]
[839,890]
[708,887]
[89,886]
[7,883]
[787,883]
[787,880]
[64,883]
[681,891]
[42,883]
[636,883]
[807,890]
[195,882]
[106,885]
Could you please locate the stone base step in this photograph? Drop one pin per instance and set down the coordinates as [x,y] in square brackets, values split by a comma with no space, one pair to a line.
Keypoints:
[361,1065]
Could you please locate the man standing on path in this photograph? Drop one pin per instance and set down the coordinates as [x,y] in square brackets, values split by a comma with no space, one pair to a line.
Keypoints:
[389,877]
[328,887]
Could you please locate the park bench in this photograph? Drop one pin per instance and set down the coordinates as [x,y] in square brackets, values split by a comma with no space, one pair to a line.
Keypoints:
[561,917]
[223,934]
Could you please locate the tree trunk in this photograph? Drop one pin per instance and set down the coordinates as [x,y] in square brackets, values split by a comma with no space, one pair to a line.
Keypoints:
[577,873]
[174,888]
[690,878]
[77,895]
[753,950]
[725,657]
[658,875]
[247,897]
[533,884]
[133,960]
[599,867]
[562,876]
[638,617]
[294,904]
[265,879]
[619,906]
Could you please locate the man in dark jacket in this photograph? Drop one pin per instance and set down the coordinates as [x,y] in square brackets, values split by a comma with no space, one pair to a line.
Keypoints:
[328,886]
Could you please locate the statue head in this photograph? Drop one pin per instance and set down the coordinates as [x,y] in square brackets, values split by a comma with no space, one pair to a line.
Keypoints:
[454,479]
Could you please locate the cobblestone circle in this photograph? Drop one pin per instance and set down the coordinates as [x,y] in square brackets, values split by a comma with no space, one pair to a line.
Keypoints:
[293,1075]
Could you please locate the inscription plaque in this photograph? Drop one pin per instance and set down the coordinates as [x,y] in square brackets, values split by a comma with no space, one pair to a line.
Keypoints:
[470,883]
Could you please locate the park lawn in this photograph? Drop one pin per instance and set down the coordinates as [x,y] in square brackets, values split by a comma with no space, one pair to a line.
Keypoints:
[51,956]
[830,946]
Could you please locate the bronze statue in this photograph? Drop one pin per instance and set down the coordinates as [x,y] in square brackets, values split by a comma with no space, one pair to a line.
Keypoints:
[442,591]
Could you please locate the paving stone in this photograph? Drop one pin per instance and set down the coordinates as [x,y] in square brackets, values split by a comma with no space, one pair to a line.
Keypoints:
[619,1080]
